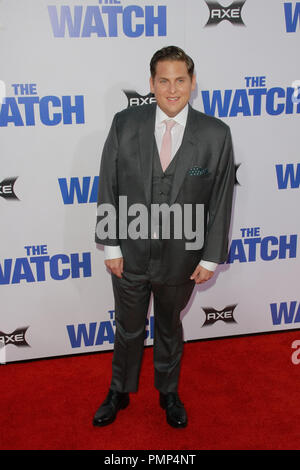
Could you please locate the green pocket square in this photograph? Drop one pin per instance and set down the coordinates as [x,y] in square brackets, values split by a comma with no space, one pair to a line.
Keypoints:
[198,171]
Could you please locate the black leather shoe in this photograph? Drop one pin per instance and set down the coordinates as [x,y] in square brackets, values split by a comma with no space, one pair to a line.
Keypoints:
[175,412]
[108,411]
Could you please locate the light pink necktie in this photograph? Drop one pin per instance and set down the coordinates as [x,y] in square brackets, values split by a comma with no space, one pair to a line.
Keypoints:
[166,146]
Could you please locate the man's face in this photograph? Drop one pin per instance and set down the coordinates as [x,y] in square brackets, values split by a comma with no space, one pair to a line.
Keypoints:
[172,86]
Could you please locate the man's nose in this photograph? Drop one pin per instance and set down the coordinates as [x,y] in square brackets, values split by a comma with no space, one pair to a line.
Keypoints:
[172,87]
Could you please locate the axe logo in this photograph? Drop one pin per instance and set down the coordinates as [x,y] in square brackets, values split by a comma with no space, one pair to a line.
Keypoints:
[218,13]
[213,315]
[236,182]
[17,338]
[7,188]
[134,99]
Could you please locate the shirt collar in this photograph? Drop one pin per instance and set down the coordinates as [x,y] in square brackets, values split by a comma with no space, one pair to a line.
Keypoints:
[180,118]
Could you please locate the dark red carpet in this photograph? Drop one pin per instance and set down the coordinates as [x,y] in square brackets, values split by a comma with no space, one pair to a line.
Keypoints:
[240,393]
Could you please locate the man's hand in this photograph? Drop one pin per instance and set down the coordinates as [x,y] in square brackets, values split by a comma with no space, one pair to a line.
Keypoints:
[115,266]
[201,275]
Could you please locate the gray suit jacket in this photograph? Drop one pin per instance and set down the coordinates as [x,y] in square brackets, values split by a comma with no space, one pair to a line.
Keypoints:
[126,170]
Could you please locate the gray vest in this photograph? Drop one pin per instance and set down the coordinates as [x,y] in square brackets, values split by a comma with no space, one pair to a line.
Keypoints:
[162,182]
[161,191]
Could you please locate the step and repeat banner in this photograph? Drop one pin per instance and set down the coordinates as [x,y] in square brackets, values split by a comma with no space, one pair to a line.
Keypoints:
[66,68]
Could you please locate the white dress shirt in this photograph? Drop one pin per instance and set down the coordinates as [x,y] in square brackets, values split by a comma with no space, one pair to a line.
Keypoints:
[111,252]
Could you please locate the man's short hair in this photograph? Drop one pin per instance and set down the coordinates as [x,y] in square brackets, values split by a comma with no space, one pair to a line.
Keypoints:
[171,53]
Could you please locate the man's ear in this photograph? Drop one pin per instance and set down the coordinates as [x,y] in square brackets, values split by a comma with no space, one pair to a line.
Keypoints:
[194,82]
[151,85]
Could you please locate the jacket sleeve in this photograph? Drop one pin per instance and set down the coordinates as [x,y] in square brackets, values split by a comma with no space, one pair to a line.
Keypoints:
[220,204]
[107,204]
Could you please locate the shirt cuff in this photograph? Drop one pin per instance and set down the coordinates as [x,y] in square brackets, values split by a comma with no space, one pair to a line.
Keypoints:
[111,252]
[208,265]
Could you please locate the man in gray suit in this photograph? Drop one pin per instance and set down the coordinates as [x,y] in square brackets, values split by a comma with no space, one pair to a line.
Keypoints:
[157,155]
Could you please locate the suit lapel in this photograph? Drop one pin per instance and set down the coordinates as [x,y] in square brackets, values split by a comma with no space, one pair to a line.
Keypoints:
[146,143]
[185,155]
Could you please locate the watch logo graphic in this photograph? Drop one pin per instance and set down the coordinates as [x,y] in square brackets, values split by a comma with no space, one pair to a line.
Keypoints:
[218,13]
[213,315]
[135,99]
